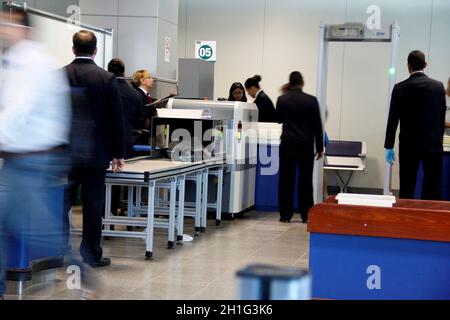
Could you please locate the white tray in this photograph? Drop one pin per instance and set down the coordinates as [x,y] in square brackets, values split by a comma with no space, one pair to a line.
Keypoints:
[366,200]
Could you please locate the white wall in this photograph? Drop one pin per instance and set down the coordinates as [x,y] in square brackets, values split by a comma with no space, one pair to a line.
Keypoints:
[275,37]
[140,28]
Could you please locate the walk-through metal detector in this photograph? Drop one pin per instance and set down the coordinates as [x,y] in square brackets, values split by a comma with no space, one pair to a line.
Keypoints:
[352,32]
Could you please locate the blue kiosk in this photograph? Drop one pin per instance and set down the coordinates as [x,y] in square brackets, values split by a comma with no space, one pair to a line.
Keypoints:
[372,253]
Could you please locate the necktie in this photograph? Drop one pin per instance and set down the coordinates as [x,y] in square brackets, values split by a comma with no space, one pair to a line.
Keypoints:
[149,98]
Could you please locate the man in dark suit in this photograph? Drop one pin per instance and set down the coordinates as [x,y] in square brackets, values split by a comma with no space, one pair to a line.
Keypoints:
[97,138]
[418,103]
[301,142]
[133,105]
[133,108]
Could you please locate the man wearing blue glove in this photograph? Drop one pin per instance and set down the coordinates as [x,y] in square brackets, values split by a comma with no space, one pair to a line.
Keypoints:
[418,103]
[390,156]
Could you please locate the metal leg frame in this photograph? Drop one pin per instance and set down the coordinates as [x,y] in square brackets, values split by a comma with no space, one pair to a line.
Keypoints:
[173,202]
[134,218]
[218,204]
[181,188]
[108,193]
[176,214]
[150,221]
[344,183]
[198,203]
[130,201]
[204,201]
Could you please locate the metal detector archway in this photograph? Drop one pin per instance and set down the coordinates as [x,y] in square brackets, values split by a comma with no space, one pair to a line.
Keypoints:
[352,32]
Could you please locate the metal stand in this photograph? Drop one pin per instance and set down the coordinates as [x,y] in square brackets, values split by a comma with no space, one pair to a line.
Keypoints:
[343,184]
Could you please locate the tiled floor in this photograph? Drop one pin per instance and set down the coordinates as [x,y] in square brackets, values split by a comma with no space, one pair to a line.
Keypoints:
[203,269]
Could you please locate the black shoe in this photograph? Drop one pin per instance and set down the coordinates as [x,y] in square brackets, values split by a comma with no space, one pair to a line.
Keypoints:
[103,262]
[282,220]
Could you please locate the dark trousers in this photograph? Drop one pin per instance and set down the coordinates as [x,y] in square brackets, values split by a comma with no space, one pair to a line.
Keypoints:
[92,182]
[288,169]
[432,174]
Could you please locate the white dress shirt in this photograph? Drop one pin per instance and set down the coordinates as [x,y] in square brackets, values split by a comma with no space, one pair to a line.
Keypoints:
[35,108]
[143,90]
[252,100]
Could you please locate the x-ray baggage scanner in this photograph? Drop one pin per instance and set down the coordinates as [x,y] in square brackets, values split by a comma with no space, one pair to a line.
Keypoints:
[352,32]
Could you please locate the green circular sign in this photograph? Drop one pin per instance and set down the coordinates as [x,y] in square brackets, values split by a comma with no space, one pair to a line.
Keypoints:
[205,52]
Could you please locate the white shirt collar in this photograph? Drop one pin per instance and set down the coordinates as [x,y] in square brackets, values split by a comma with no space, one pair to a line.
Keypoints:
[145,91]
[86,58]
[257,94]
[420,71]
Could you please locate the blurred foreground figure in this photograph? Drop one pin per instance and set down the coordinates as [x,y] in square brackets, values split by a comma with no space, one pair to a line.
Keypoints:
[34,130]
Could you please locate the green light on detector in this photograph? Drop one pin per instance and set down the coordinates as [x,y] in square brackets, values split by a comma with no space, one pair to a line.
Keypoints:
[392,71]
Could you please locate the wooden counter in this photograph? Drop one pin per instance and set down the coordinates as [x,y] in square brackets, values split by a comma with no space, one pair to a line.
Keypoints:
[409,219]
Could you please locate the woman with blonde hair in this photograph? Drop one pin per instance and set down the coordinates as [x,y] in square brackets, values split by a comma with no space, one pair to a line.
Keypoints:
[143,83]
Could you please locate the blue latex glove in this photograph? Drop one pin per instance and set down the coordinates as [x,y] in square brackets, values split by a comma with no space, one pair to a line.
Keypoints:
[390,156]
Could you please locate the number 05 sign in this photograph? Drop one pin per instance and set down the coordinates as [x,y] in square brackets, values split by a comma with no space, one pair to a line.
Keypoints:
[205,50]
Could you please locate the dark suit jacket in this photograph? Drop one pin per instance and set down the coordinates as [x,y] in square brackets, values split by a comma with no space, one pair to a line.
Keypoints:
[149,112]
[266,109]
[418,103]
[302,125]
[133,108]
[98,132]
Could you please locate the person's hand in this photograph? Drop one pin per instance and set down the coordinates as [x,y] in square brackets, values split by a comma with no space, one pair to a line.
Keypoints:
[319,155]
[118,165]
[390,156]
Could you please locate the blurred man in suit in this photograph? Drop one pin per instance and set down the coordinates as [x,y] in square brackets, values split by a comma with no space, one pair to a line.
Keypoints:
[301,144]
[98,136]
[34,134]
[418,103]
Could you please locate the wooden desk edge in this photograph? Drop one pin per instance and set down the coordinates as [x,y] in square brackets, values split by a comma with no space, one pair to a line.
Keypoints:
[397,223]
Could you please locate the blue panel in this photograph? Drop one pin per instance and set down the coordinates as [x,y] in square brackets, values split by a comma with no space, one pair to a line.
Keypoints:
[445,179]
[22,250]
[410,269]
[143,148]
[266,195]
